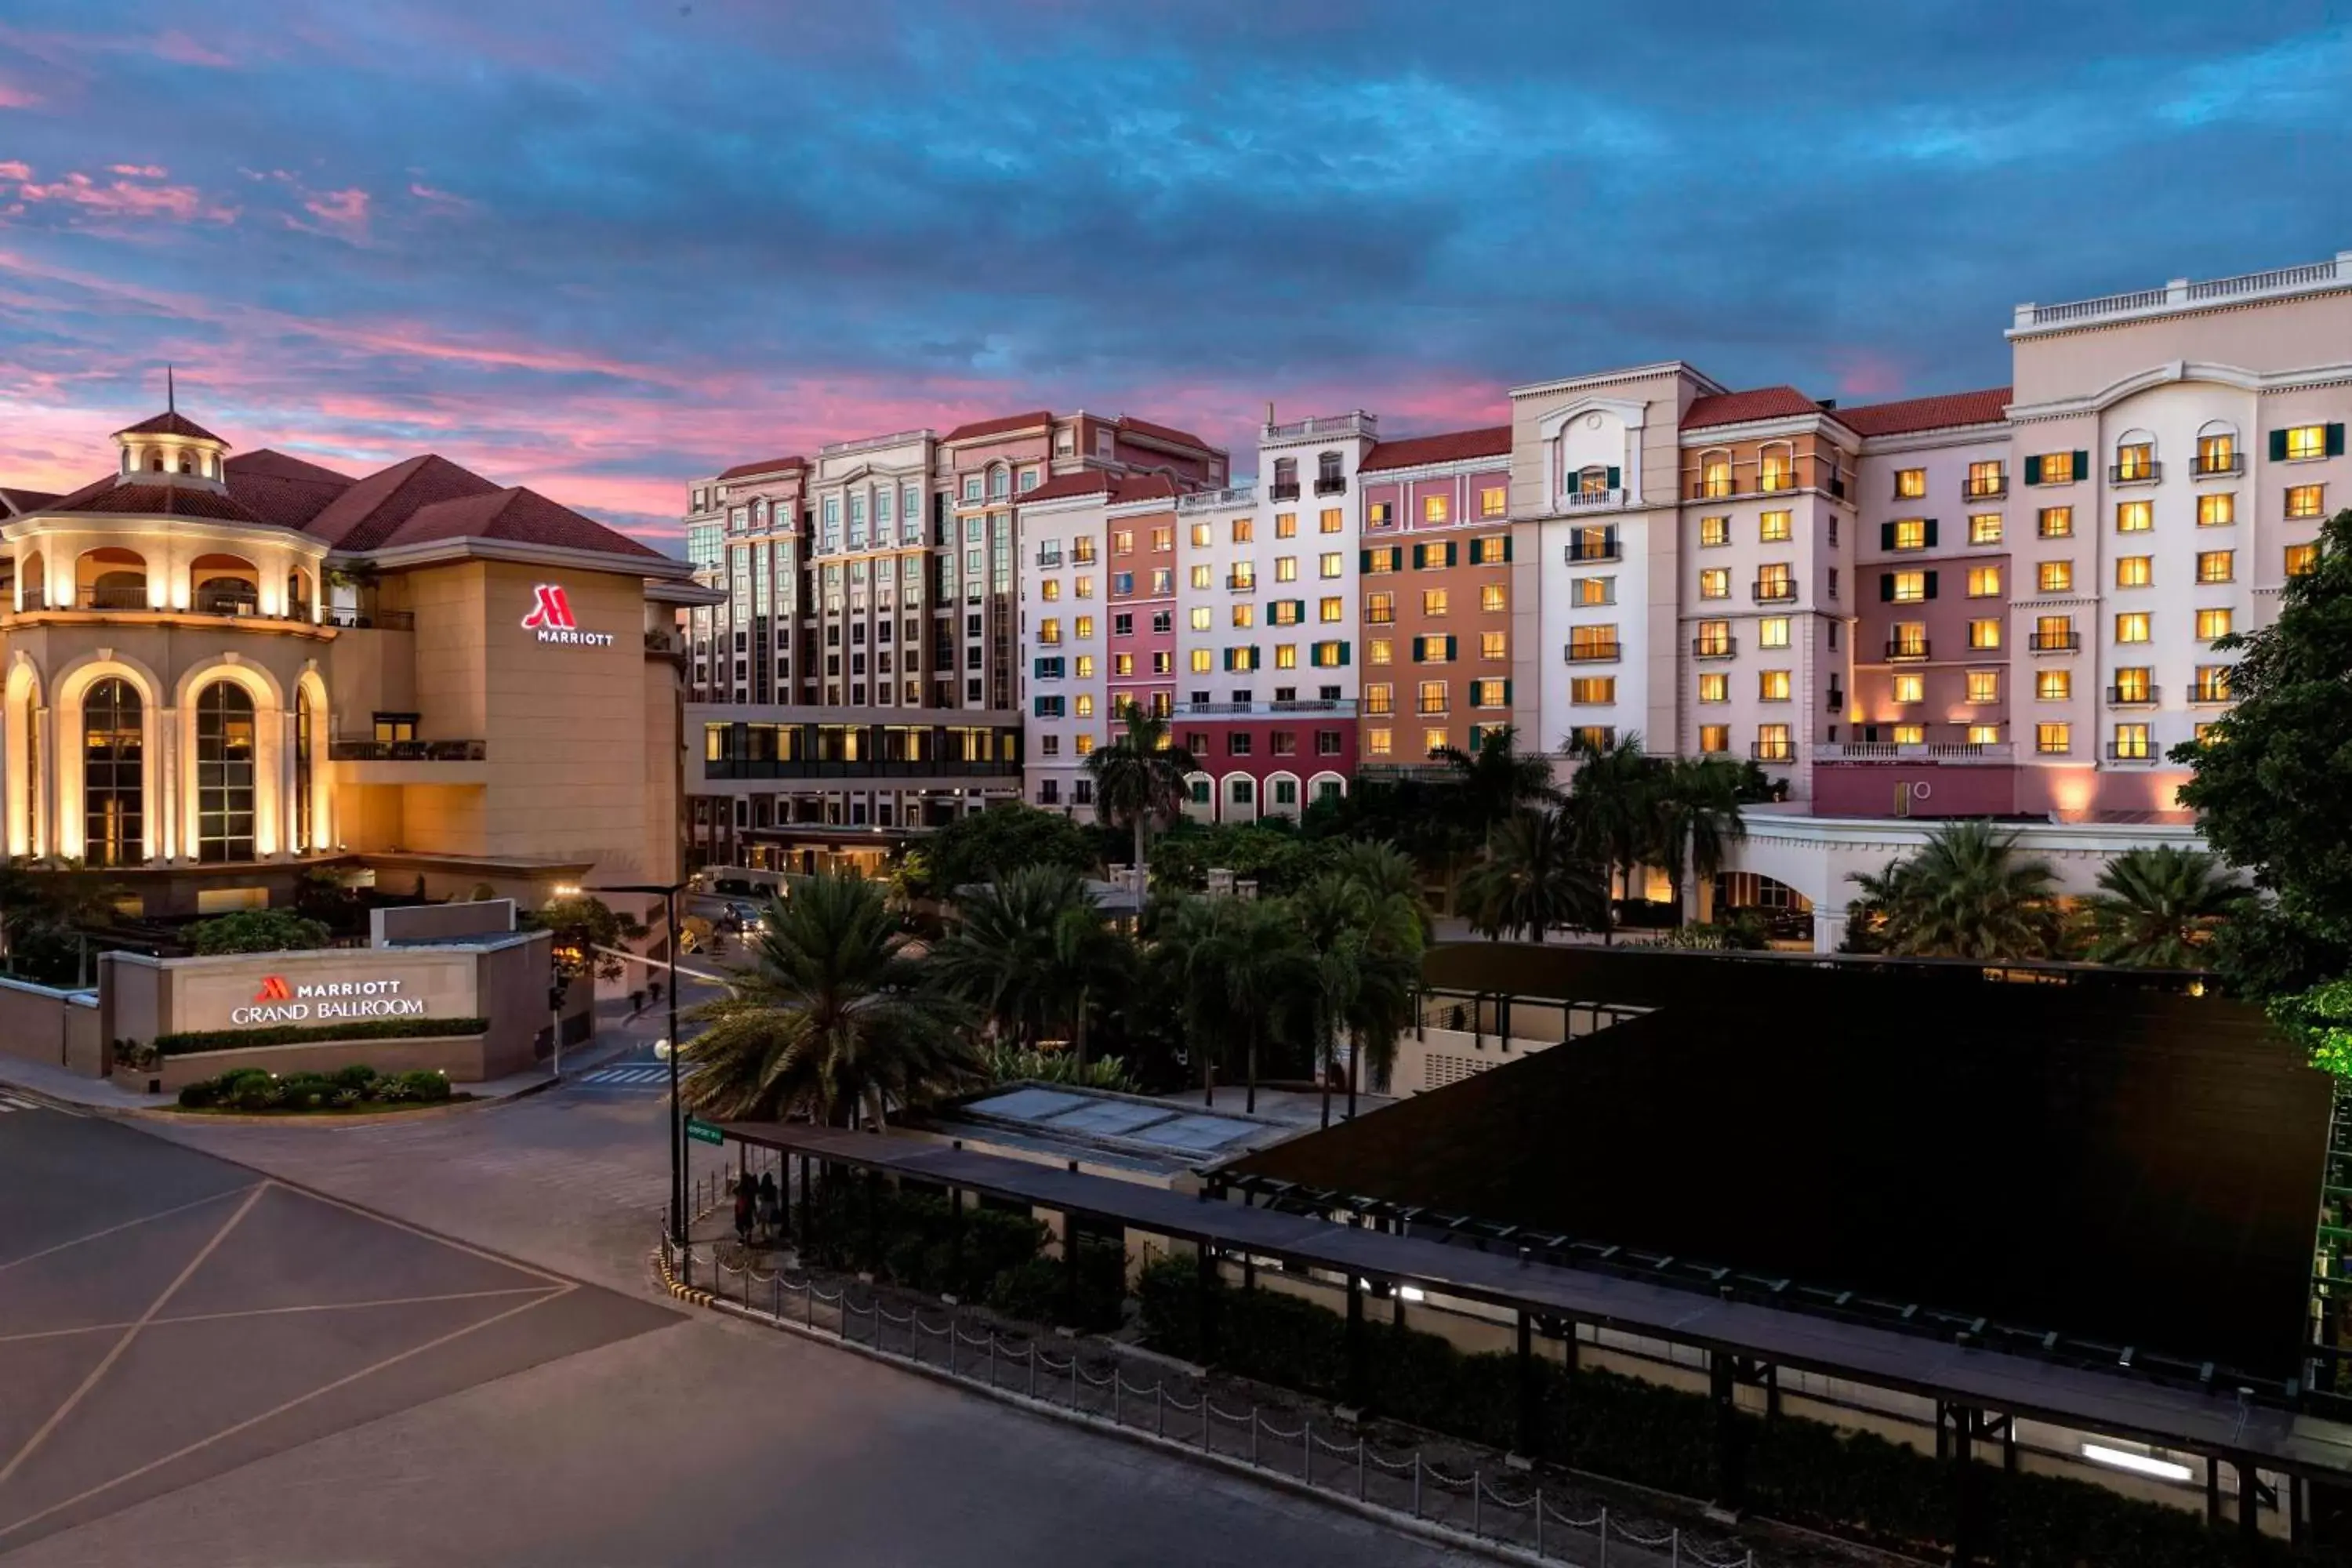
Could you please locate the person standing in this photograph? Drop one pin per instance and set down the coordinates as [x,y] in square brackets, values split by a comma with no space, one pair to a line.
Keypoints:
[745,1209]
[770,1210]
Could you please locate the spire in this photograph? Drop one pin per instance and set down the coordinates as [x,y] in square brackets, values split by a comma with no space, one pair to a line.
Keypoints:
[171,395]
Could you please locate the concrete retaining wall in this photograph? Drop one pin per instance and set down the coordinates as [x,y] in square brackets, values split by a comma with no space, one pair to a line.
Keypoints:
[460,1056]
[59,1028]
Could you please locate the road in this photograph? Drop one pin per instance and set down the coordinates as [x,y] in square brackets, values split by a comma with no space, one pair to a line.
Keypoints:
[624,1431]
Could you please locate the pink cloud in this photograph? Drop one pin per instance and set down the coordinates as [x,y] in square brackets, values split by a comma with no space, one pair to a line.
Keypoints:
[345,209]
[443,200]
[1865,373]
[122,197]
[15,171]
[17,97]
[182,49]
[139,170]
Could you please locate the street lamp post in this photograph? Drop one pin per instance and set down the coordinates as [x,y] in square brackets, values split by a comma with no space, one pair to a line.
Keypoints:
[668,892]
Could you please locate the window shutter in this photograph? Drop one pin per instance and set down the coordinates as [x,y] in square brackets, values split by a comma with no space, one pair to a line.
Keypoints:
[1229,658]
[2278,446]
[2033,470]
[1507,692]
[1346,650]
[1451,547]
[1449,647]
[1417,649]
[1613,477]
[1886,584]
[1886,536]
[1507,547]
[1418,551]
[1931,585]
[2336,441]
[1364,561]
[2081,465]
[1931,534]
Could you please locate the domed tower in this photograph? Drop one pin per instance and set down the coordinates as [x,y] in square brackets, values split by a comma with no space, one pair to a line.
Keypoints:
[171,449]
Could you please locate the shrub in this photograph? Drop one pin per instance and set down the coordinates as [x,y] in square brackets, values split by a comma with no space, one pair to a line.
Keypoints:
[354,1087]
[257,930]
[1008,1064]
[198,1041]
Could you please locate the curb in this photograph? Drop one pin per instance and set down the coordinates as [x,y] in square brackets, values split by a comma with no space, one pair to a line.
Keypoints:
[692,1294]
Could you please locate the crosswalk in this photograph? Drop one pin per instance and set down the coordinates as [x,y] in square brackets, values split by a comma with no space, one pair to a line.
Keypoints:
[9,1102]
[631,1077]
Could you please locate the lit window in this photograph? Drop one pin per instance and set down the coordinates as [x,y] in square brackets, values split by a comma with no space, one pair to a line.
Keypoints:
[2136,461]
[1488,693]
[2134,516]
[1433,742]
[1286,525]
[1776,470]
[1049,630]
[2135,570]
[1772,631]
[2056,522]
[2056,467]
[1285,568]
[1329,610]
[1715,687]
[1334,563]
[1382,514]
[1772,686]
[1984,686]
[1714,474]
[1380,650]
[1493,501]
[1910,483]
[1985,528]
[2212,683]
[1984,582]
[1493,644]
[2055,632]
[1330,655]
[1163,539]
[1380,742]
[1082,586]
[1908,639]
[1715,583]
[1122,542]
[2054,740]
[2305,442]
[1285,655]
[1433,601]
[1592,591]
[1433,650]
[2306,500]
[1909,586]
[2217,566]
[1491,598]
[1713,531]
[1714,638]
[2217,454]
[2301,560]
[1050,589]
[2132,626]
[1433,509]
[2217,510]
[1244,530]
[1773,526]
[1384,558]
[2132,684]
[1772,743]
[1911,533]
[2055,576]
[1085,745]
[1984,734]
[1910,688]
[2131,742]
[1714,738]
[1204,576]
[1085,667]
[1380,609]
[1431,698]
[1204,618]
[1244,615]
[1201,661]
[1985,633]
[1379,700]
[1985,478]
[1332,521]
[1591,642]
[2054,685]
[1122,663]
[1202,535]
[1085,705]
[1910,734]
[1491,551]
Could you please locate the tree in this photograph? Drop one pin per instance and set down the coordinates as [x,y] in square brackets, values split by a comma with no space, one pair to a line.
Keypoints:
[1696,802]
[1496,781]
[2268,777]
[257,930]
[834,1014]
[586,930]
[1388,973]
[1333,913]
[1533,876]
[1139,779]
[1616,822]
[987,844]
[1238,967]
[1031,952]
[45,910]
[1384,871]
[2158,908]
[1966,894]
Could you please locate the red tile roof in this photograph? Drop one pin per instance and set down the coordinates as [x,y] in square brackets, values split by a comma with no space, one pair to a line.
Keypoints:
[1163,431]
[1061,487]
[1143,487]
[170,423]
[1009,422]
[517,516]
[366,514]
[283,490]
[1989,406]
[1494,441]
[15,502]
[110,499]
[773,465]
[1739,407]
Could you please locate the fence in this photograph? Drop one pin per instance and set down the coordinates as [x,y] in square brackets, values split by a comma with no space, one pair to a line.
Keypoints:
[1352,1470]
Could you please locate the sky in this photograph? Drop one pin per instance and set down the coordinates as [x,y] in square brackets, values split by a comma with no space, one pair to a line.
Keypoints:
[602,248]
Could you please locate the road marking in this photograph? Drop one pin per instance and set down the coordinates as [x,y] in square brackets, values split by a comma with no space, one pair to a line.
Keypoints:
[508,1262]
[282,1311]
[128,1334]
[9,1102]
[7,1530]
[632,1076]
[126,1225]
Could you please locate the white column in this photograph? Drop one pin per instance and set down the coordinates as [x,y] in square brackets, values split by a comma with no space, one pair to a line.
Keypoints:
[288,813]
[43,790]
[163,785]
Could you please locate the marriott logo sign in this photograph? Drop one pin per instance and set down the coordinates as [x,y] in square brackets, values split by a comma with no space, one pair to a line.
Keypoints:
[326,1001]
[551,617]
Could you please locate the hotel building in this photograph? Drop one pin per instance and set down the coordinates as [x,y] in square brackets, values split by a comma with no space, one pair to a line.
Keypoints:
[224,672]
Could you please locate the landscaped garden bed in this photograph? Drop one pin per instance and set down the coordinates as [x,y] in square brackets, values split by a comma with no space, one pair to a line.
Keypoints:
[352,1090]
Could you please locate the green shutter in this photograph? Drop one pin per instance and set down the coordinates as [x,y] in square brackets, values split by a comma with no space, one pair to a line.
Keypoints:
[2278,446]
[1449,647]
[1931,534]
[1507,691]
[1886,584]
[1886,536]
[1450,556]
[2033,470]
[1417,650]
[1613,474]
[1507,547]
[1229,658]
[1364,563]
[2336,441]
[2081,465]
[1345,653]
[1931,585]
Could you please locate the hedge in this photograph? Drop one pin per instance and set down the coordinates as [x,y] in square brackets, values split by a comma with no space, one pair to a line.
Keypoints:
[193,1043]
[1804,1471]
[355,1087]
[912,1240]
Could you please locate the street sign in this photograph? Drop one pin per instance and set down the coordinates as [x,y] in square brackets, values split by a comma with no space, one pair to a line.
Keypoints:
[703,1131]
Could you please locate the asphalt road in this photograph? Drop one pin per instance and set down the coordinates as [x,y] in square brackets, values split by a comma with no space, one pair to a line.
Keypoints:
[432,1340]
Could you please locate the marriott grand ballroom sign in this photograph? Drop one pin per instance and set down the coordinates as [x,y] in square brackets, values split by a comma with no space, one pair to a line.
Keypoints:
[311,989]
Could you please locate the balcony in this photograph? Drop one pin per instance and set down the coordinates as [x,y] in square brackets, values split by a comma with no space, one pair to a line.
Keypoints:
[1993,488]
[1049,562]
[836,768]
[2135,473]
[2133,751]
[1279,491]
[2054,642]
[1593,653]
[1586,548]
[1241,585]
[1714,648]
[1334,707]
[1773,751]
[1906,650]
[1774,591]
[1963,752]
[1774,480]
[373,620]
[410,762]
[1592,501]
[1331,487]
[1713,489]
[2216,466]
[2132,696]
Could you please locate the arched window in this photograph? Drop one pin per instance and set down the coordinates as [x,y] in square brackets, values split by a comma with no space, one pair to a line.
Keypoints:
[298,595]
[1776,467]
[112,779]
[1714,474]
[225,585]
[304,725]
[225,772]
[113,579]
[187,462]
[155,460]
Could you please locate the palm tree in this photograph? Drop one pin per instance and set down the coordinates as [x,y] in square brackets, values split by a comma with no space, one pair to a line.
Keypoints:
[1964,895]
[1533,876]
[832,1015]
[1616,824]
[1384,872]
[1388,973]
[1495,782]
[1139,778]
[1240,967]
[1089,962]
[1698,805]
[1333,914]
[2158,907]
[1001,956]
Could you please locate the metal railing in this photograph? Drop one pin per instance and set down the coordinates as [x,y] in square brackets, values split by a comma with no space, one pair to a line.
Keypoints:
[1773,589]
[2132,696]
[1985,489]
[1714,648]
[2133,751]
[1283,493]
[1593,653]
[373,620]
[2135,473]
[1906,647]
[1093,1387]
[1330,486]
[1357,423]
[1773,751]
[2204,466]
[407,751]
[1604,548]
[1332,705]
[2053,642]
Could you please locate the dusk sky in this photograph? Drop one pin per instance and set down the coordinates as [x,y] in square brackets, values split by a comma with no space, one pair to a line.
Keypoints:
[601,248]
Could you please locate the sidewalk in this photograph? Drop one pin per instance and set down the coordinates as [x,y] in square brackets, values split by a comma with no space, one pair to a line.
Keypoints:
[617,1034]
